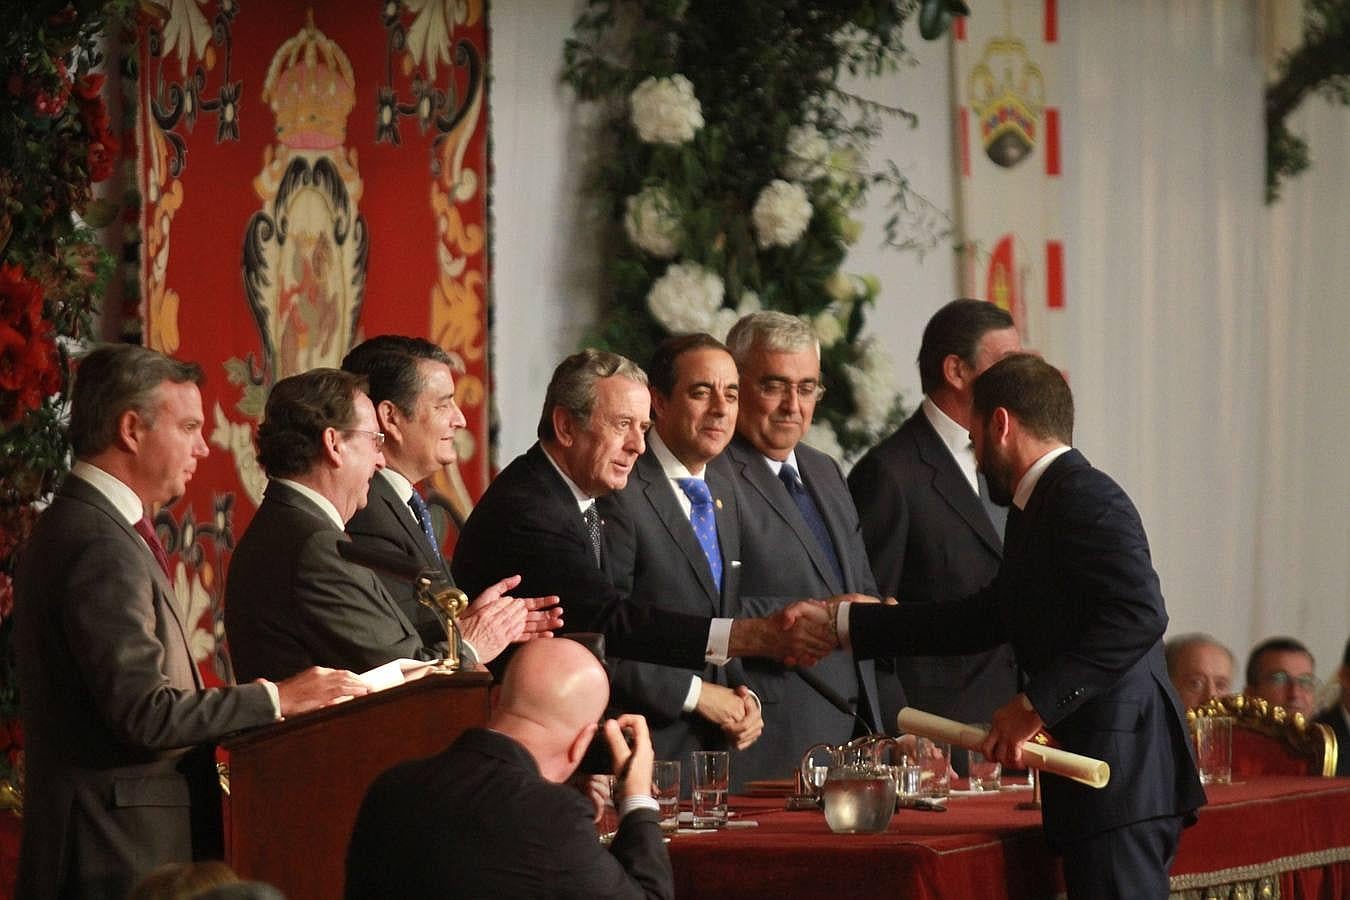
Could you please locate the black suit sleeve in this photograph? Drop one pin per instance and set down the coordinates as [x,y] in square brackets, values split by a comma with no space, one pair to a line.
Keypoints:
[884,516]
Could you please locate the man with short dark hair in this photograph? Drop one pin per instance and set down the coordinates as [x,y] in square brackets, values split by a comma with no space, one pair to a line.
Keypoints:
[1077,597]
[1337,716]
[119,726]
[411,384]
[1200,667]
[290,599]
[672,539]
[490,816]
[538,518]
[1281,671]
[931,531]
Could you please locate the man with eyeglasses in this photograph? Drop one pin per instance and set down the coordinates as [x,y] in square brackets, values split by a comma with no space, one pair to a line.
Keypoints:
[1281,671]
[291,601]
[1337,716]
[800,537]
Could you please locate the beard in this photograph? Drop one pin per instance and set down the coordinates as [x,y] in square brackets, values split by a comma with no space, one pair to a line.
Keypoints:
[998,475]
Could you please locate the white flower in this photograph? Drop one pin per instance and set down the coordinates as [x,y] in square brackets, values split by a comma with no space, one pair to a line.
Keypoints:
[781,214]
[665,110]
[686,299]
[840,287]
[652,223]
[721,323]
[827,327]
[873,384]
[749,304]
[808,152]
[821,436]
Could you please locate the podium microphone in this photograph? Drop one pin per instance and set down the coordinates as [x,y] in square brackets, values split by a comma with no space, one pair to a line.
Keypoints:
[830,695]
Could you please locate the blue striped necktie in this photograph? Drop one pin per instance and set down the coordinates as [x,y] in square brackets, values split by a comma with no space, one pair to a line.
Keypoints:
[704,520]
[797,491]
[423,516]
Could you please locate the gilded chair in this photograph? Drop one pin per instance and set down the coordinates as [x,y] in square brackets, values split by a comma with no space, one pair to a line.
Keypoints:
[1269,740]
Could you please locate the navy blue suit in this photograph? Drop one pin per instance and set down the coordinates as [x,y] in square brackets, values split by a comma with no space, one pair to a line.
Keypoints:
[1078,599]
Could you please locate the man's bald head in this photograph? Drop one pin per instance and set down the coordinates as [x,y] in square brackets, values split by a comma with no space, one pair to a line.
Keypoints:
[551,700]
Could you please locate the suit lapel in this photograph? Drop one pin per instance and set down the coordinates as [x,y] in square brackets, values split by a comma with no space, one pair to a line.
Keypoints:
[1036,504]
[761,479]
[657,490]
[562,498]
[165,596]
[728,535]
[949,483]
[401,513]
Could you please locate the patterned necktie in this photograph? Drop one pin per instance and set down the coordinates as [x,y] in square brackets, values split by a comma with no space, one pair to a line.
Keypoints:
[147,533]
[704,520]
[423,516]
[788,475]
[592,519]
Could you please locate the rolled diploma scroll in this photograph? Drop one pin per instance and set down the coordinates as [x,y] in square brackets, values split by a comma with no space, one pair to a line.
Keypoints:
[1094,773]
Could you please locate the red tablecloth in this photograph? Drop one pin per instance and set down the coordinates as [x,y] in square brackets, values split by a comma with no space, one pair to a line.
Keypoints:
[1295,829]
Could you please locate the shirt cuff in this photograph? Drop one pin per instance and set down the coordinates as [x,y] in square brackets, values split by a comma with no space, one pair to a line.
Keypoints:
[469,656]
[638,801]
[273,695]
[691,698]
[841,625]
[719,642]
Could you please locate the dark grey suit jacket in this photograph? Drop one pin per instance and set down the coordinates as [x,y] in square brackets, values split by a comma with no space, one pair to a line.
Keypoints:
[781,562]
[386,524]
[929,538]
[120,769]
[291,602]
[478,820]
[1079,600]
[654,557]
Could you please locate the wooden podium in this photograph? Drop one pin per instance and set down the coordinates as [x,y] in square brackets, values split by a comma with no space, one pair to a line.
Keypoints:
[295,787]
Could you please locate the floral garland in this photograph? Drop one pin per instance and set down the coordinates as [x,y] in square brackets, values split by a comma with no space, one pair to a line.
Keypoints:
[58,140]
[734,169]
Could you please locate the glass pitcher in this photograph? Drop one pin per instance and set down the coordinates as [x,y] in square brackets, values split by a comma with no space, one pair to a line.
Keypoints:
[855,787]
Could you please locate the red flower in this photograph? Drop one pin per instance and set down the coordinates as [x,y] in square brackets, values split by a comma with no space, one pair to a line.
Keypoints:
[29,364]
[103,145]
[6,607]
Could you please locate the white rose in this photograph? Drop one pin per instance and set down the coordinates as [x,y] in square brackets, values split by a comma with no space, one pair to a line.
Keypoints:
[652,223]
[827,327]
[721,323]
[781,214]
[807,152]
[665,110]
[840,287]
[873,384]
[686,298]
[749,304]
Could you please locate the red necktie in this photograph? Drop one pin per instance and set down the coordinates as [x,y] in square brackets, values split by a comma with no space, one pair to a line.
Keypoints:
[147,532]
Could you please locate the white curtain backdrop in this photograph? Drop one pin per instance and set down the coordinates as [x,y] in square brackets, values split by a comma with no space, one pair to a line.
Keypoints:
[1207,330]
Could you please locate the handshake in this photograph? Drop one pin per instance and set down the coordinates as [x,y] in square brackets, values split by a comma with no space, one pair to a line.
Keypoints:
[800,634]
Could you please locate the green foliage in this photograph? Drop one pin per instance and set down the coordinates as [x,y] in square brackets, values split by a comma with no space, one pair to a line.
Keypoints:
[759,70]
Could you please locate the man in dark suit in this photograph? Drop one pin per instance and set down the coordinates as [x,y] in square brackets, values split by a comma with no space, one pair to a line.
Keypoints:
[1337,717]
[672,539]
[412,385]
[931,531]
[290,599]
[1078,598]
[1282,672]
[490,817]
[800,537]
[538,518]
[119,726]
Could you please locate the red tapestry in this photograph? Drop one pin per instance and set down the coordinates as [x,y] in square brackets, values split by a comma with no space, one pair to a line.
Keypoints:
[311,174]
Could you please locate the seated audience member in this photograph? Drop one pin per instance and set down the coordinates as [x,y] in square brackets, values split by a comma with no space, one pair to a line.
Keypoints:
[490,815]
[672,538]
[1200,667]
[1337,716]
[539,518]
[290,600]
[1281,671]
[120,729]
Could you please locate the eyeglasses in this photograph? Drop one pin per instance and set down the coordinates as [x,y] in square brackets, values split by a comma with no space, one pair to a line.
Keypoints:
[778,388]
[1280,678]
[376,436]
